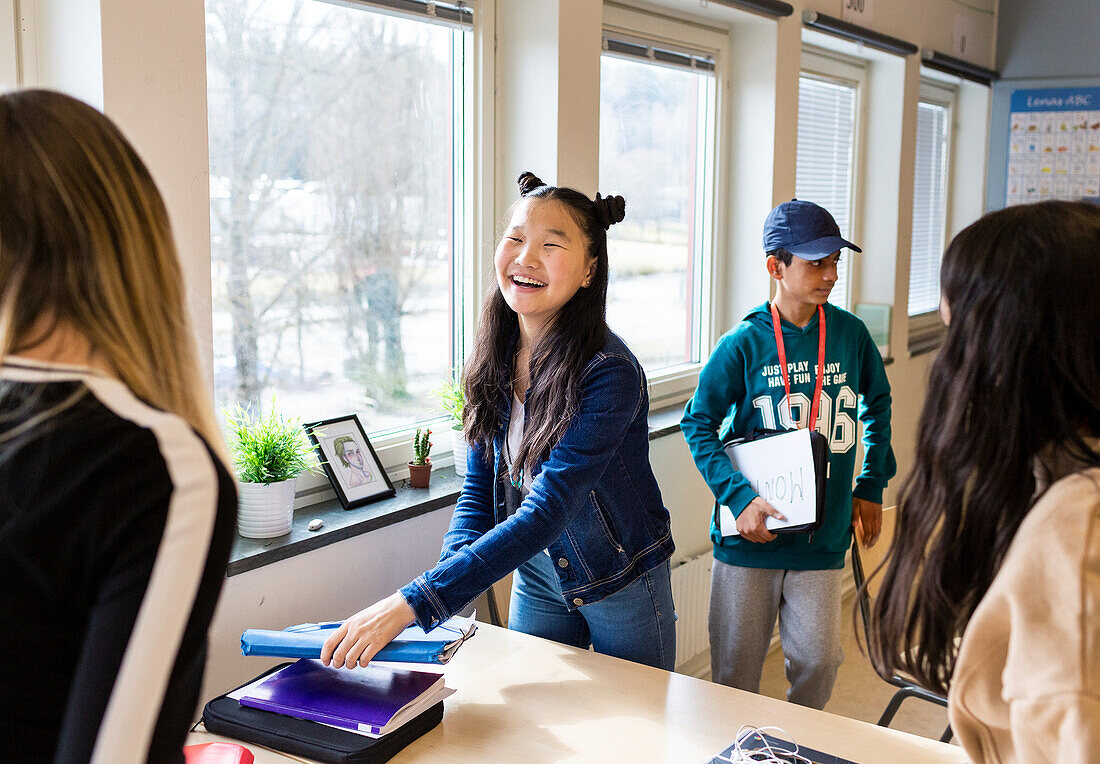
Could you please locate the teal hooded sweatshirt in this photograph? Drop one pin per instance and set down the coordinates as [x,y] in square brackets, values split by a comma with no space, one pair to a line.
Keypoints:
[741,389]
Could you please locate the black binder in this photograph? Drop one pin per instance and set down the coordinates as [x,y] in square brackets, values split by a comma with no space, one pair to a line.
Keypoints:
[301,737]
[819,449]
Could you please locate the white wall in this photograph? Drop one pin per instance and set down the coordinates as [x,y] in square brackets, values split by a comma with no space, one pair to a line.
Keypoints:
[9,44]
[687,497]
[154,86]
[547,75]
[144,64]
[758,176]
[63,47]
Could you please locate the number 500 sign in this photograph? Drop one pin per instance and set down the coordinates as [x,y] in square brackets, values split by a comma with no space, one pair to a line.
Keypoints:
[857,11]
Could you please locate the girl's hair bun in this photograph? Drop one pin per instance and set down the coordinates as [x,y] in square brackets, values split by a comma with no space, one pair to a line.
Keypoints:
[609,210]
[528,182]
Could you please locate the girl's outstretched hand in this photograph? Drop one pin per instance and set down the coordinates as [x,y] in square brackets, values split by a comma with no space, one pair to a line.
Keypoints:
[360,637]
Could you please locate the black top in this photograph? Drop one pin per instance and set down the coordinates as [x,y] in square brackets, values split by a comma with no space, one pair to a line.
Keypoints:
[116,521]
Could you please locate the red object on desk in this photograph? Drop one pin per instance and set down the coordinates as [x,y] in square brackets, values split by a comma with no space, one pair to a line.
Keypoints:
[217,753]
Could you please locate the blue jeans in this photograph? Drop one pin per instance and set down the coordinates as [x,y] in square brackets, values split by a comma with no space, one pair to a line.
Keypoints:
[636,623]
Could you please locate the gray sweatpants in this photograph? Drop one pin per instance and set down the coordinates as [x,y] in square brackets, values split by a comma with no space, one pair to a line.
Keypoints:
[744,603]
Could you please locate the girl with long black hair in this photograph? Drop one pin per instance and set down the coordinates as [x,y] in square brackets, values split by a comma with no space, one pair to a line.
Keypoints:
[558,486]
[998,534]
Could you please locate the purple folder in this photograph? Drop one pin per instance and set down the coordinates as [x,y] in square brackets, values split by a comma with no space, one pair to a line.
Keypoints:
[367,699]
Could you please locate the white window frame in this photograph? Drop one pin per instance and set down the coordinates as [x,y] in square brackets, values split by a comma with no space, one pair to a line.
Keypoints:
[926,329]
[17,43]
[474,233]
[839,69]
[394,446]
[676,384]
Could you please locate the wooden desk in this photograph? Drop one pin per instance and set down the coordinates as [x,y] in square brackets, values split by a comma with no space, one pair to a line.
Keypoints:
[524,699]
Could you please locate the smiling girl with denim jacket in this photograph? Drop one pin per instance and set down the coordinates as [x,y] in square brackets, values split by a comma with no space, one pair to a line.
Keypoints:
[558,487]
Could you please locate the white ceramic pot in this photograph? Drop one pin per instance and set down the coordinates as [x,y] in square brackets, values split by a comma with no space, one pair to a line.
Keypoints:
[459,446]
[265,511]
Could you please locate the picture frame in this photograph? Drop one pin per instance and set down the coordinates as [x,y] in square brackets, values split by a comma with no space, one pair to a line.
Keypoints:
[877,317]
[349,461]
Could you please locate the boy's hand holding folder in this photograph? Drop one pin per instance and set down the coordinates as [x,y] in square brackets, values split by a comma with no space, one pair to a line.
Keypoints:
[413,645]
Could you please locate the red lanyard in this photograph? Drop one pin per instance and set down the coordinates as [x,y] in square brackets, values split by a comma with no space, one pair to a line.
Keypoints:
[820,361]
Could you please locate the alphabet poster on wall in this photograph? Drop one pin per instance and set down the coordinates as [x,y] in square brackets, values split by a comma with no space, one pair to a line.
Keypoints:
[1053,145]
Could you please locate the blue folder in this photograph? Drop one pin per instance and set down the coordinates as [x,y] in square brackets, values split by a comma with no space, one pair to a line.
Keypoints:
[413,645]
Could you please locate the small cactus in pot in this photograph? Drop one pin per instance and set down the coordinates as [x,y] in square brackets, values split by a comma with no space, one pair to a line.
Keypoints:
[420,468]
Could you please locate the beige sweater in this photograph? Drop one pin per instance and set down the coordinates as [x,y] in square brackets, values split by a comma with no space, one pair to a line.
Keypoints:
[1027,682]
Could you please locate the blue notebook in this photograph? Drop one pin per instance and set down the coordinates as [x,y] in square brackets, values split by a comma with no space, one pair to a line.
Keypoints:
[374,700]
[413,645]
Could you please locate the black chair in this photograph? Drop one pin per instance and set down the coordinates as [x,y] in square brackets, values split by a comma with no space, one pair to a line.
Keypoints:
[907,688]
[494,608]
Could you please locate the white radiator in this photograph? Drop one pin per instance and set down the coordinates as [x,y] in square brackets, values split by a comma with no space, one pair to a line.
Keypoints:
[691,593]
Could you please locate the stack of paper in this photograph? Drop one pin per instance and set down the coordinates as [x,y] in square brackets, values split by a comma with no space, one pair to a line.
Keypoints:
[413,645]
[372,700]
[781,471]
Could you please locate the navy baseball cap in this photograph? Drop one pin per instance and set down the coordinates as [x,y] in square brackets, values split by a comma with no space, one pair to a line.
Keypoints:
[804,229]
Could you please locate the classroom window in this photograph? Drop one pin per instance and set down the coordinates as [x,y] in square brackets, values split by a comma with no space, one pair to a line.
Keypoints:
[656,133]
[337,177]
[930,190]
[825,162]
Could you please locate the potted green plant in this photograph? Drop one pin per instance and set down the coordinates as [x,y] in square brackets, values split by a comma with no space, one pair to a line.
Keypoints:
[268,452]
[453,399]
[420,468]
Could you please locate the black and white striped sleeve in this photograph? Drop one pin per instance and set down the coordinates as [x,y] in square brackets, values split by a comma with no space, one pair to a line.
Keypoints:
[158,573]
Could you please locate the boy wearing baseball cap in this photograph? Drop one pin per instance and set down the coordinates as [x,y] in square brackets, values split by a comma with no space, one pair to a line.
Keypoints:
[757,575]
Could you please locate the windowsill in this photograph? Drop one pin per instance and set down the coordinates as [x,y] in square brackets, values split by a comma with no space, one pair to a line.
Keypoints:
[341,524]
[925,346]
[665,421]
[926,333]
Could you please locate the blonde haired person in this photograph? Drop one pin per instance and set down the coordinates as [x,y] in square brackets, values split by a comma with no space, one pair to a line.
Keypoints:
[116,509]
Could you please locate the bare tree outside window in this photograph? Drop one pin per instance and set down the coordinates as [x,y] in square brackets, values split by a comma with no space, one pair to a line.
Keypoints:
[332,207]
[650,152]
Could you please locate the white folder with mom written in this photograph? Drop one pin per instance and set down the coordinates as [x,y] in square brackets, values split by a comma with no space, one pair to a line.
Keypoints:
[780,468]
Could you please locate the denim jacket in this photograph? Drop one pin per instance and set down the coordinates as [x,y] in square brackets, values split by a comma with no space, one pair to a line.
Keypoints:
[594,503]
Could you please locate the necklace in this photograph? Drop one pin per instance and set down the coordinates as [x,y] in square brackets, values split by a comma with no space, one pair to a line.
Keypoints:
[509,457]
[517,481]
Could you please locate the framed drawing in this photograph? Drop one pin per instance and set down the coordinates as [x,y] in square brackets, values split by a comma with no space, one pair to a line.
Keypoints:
[349,460]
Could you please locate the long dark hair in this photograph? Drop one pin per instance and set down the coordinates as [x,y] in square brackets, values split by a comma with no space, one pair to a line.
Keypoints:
[567,343]
[1018,375]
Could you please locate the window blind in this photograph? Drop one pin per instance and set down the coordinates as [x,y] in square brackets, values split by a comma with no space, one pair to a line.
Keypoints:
[454,13]
[638,49]
[929,208]
[826,149]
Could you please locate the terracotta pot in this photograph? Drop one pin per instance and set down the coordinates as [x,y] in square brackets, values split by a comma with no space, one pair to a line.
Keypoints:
[420,474]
